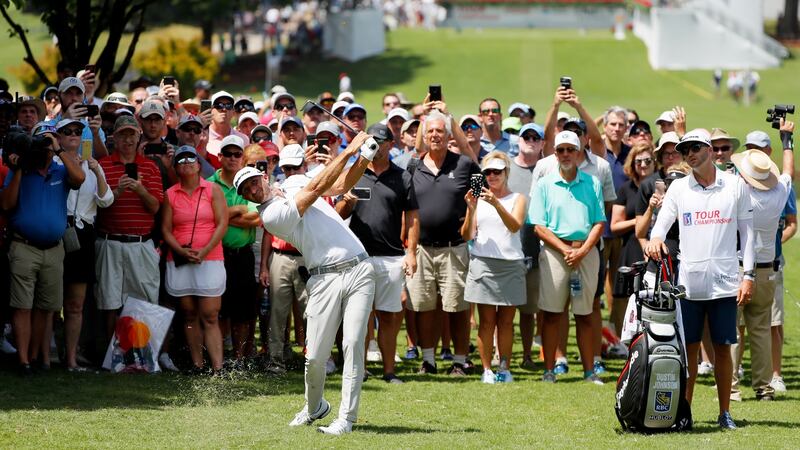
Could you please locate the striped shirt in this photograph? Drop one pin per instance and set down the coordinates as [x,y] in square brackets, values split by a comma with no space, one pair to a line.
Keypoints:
[127,215]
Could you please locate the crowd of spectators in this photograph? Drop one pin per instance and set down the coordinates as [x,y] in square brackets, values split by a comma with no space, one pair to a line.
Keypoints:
[137,198]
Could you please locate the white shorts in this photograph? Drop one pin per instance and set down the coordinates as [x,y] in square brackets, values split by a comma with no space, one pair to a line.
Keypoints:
[388,282]
[206,279]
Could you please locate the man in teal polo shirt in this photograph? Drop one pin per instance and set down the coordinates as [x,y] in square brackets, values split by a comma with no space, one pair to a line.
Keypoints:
[567,211]
[239,303]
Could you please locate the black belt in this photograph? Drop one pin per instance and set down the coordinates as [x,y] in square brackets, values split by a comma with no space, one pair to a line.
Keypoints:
[48,246]
[455,243]
[237,251]
[286,252]
[124,237]
[768,265]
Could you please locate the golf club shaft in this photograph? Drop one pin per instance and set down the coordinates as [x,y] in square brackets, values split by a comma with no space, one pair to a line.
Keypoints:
[332,115]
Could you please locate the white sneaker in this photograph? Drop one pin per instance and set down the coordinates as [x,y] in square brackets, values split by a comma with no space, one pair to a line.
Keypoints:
[330,366]
[6,346]
[488,377]
[373,352]
[337,428]
[778,384]
[705,368]
[304,418]
[593,378]
[504,376]
[397,358]
[736,396]
[166,362]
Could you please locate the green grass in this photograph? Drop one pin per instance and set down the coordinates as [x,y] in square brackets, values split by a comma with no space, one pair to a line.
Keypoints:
[103,410]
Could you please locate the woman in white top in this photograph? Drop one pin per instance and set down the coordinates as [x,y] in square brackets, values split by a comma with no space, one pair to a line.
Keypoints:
[496,278]
[82,207]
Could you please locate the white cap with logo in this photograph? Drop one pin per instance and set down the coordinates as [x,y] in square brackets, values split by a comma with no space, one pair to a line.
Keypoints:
[568,137]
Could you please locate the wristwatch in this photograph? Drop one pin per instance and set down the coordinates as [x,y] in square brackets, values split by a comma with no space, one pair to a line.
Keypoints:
[749,275]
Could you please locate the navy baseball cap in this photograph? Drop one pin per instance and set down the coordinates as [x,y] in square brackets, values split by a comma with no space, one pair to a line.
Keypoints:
[575,121]
[293,120]
[351,107]
[640,126]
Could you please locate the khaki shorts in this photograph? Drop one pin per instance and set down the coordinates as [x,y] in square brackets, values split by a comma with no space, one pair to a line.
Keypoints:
[36,277]
[440,270]
[531,292]
[125,269]
[777,302]
[554,282]
[388,283]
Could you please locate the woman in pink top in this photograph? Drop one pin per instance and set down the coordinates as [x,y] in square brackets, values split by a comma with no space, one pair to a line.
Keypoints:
[195,218]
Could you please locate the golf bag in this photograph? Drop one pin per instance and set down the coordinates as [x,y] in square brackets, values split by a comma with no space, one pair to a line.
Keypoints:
[651,389]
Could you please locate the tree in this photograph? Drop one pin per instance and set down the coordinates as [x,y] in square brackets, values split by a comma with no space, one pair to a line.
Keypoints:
[788,27]
[77,25]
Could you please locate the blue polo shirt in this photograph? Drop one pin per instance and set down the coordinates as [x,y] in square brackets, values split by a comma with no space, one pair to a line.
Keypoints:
[504,145]
[617,165]
[568,209]
[41,212]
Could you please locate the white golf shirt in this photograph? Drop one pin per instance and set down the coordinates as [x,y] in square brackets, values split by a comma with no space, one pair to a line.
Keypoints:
[319,234]
[708,219]
[767,209]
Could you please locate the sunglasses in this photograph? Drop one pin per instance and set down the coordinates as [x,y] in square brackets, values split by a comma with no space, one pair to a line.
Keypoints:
[470,126]
[284,106]
[258,139]
[531,137]
[245,108]
[51,98]
[724,148]
[566,149]
[224,106]
[71,131]
[290,168]
[195,130]
[187,160]
[486,112]
[356,117]
[230,154]
[139,101]
[694,148]
[643,161]
[493,171]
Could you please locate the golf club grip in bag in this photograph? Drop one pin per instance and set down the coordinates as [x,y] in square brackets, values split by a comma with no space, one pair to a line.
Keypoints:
[651,390]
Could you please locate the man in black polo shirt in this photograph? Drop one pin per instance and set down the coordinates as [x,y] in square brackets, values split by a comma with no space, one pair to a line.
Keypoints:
[378,203]
[441,179]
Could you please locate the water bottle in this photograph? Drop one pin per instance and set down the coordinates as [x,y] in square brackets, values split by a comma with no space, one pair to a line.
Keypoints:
[264,303]
[575,284]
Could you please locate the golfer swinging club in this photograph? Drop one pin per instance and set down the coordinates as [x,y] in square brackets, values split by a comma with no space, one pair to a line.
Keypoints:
[342,284]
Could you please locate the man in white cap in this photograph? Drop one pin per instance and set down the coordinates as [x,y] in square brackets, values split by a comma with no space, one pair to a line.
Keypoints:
[247,121]
[568,214]
[108,111]
[523,111]
[341,286]
[787,227]
[666,121]
[768,195]
[321,155]
[395,120]
[710,206]
[221,114]
[283,105]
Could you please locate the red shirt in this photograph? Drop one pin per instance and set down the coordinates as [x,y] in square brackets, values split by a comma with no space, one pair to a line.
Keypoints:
[214,161]
[127,215]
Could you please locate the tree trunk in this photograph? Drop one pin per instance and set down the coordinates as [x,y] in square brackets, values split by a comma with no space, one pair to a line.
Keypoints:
[207,27]
[788,27]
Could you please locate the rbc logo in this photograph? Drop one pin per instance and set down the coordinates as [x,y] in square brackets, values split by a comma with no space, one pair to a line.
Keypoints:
[663,401]
[687,219]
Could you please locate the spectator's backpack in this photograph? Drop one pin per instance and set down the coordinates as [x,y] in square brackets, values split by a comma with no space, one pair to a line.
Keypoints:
[651,389]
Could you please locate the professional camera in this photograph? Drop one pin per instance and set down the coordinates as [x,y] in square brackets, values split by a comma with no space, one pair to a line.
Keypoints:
[31,151]
[775,114]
